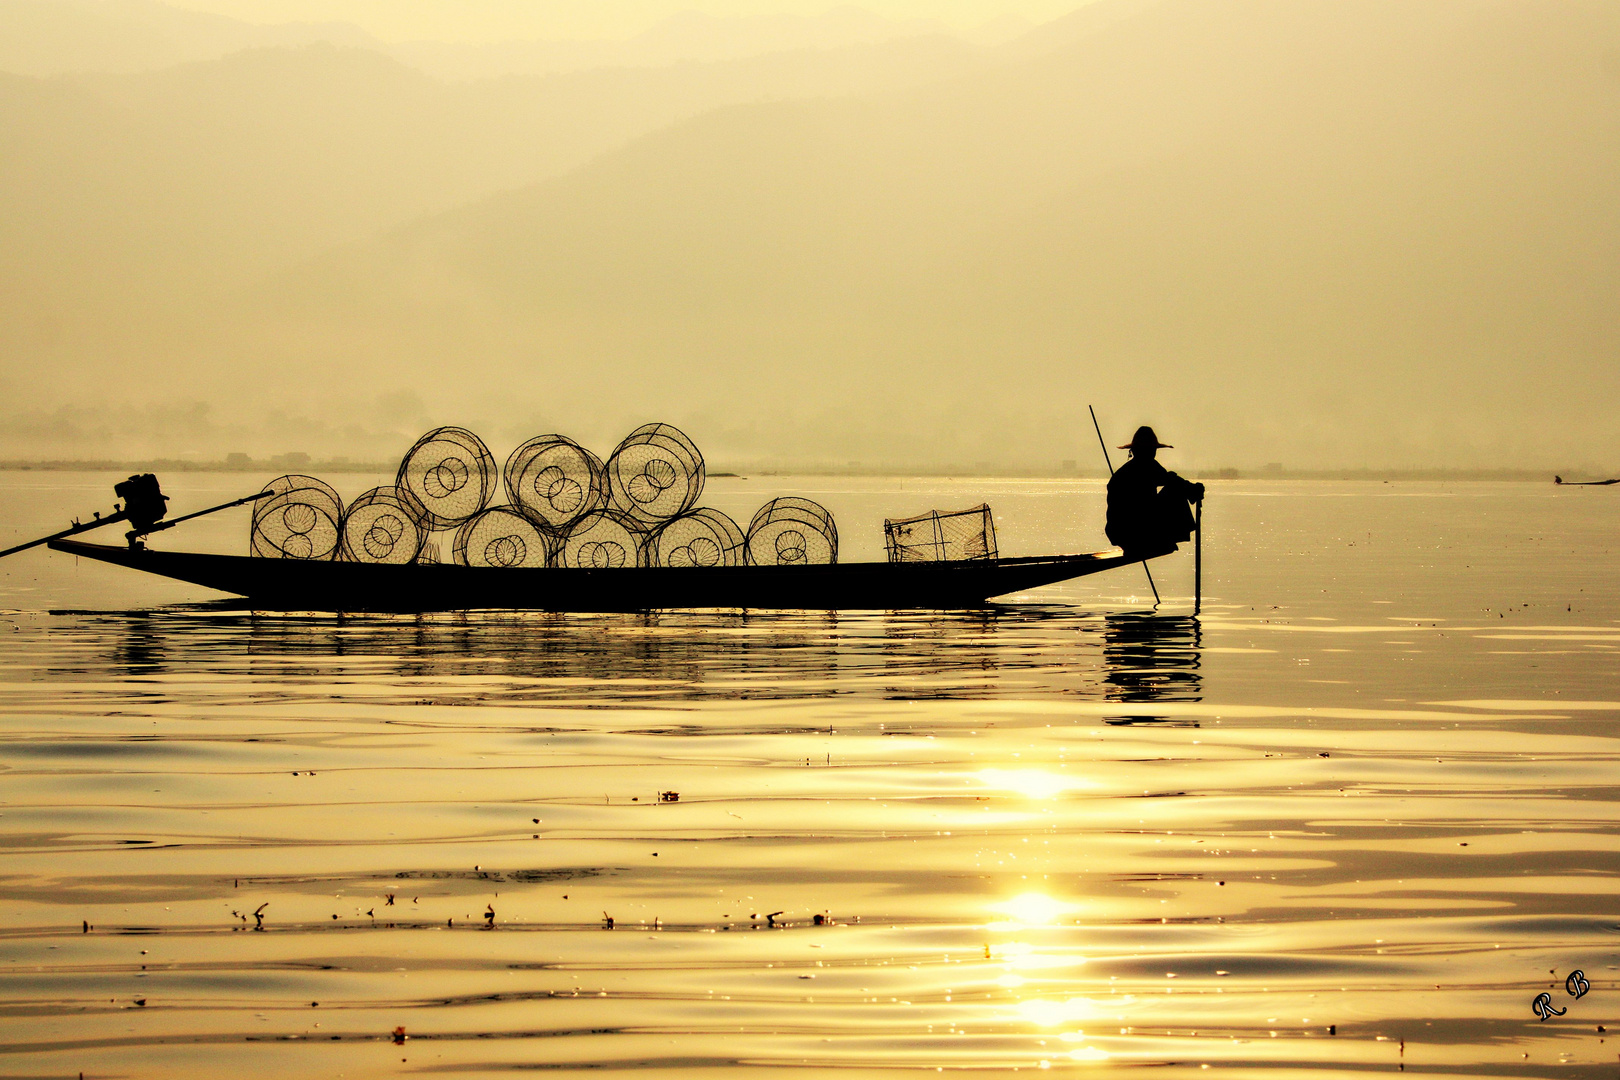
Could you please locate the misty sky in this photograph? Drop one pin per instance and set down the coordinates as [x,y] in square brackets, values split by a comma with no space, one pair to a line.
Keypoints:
[1327,234]
[501,20]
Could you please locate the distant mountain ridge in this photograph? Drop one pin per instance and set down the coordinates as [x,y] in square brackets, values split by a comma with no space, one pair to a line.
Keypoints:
[689,37]
[1301,222]
[142,196]
[1316,233]
[56,37]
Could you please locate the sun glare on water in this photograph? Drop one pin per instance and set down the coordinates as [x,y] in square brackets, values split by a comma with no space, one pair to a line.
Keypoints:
[1031,783]
[1052,1014]
[1031,909]
[1048,1013]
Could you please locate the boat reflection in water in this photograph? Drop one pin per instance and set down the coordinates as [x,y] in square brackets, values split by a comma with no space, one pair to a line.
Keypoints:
[542,658]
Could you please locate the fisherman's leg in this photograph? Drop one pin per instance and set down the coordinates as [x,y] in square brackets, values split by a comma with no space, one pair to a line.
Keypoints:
[1133,537]
[1173,517]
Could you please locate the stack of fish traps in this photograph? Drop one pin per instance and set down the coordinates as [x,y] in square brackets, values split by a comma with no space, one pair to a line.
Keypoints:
[565,507]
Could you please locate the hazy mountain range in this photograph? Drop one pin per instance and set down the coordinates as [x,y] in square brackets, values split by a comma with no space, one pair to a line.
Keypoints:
[65,37]
[1344,233]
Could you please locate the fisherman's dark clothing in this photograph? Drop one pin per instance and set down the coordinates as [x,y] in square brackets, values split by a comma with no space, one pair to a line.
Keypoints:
[1147,506]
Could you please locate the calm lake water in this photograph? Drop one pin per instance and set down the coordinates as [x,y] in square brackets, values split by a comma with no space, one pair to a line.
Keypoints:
[1354,819]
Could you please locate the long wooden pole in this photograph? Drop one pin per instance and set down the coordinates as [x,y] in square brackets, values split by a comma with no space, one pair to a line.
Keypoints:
[1110,463]
[1198,558]
[77,528]
[160,526]
[72,530]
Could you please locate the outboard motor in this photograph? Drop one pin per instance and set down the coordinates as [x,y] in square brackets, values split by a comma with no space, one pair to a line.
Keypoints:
[144,507]
[144,504]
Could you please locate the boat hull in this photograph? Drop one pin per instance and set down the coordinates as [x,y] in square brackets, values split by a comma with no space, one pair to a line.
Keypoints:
[300,585]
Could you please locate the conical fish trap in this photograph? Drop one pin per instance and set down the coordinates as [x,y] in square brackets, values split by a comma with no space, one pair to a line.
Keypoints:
[792,532]
[605,540]
[385,525]
[503,537]
[954,536]
[655,474]
[451,473]
[700,538]
[301,520]
[555,480]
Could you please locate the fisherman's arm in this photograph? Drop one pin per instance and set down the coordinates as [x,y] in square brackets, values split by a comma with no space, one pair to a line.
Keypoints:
[1185,488]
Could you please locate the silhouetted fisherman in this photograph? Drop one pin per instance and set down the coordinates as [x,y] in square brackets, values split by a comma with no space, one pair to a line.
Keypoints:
[1148,504]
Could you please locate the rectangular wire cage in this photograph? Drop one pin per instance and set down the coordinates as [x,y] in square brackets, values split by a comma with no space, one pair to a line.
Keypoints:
[952,536]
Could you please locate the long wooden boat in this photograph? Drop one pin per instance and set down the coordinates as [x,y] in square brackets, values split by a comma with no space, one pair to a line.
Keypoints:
[299,585]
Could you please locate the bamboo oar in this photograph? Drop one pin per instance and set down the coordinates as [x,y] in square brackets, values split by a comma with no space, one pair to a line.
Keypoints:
[71,530]
[99,521]
[171,523]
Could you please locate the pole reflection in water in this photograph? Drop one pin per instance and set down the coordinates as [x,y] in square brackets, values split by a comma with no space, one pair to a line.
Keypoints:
[1151,658]
[140,651]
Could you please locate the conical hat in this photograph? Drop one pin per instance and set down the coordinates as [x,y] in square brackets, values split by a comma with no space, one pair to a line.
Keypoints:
[1145,438]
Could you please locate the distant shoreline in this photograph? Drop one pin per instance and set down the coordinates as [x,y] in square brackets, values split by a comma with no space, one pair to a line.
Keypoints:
[317,468]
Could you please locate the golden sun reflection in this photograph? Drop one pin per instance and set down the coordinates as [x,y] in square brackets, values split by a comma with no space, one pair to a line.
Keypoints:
[1031,783]
[1023,962]
[1056,1013]
[1030,909]
[1050,1014]
[1019,956]
[1088,1053]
